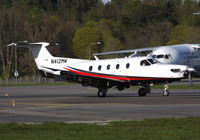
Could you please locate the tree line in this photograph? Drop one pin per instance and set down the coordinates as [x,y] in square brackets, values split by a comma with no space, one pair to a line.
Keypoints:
[77,25]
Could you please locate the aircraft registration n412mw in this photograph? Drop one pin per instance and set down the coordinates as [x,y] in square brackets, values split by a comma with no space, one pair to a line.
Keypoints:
[104,74]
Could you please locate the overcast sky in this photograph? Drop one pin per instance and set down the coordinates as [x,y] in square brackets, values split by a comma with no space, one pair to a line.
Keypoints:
[105,1]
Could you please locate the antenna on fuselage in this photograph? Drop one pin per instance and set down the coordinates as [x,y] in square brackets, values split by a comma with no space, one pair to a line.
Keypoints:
[96,58]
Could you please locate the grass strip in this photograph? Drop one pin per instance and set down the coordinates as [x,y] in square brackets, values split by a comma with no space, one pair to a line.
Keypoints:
[154,129]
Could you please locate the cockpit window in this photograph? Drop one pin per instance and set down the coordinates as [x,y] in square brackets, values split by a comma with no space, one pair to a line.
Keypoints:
[166,56]
[160,56]
[144,63]
[152,61]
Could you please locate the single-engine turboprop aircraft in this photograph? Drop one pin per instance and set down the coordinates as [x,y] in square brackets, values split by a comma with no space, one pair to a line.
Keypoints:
[107,73]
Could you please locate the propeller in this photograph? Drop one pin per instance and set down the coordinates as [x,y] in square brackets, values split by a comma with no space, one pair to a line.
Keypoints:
[190,70]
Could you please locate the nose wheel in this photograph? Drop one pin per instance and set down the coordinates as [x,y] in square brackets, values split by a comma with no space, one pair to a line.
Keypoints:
[165,91]
[102,92]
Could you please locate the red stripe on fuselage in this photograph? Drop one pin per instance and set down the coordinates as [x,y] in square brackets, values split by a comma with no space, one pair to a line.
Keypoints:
[111,77]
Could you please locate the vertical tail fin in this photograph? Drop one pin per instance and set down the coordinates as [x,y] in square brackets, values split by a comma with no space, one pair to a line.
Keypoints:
[40,52]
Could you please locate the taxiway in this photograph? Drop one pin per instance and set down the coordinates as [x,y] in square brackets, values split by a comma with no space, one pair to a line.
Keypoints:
[74,103]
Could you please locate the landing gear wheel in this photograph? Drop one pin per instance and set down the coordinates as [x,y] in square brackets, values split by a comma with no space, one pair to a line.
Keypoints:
[165,93]
[142,92]
[102,92]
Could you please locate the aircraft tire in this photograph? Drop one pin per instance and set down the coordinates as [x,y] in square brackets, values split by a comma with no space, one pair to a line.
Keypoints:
[102,92]
[166,93]
[142,92]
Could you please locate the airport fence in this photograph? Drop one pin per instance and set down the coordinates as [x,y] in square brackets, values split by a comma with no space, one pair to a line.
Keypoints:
[28,80]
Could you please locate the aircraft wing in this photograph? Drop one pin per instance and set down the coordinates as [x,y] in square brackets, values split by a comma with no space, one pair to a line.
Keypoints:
[132,52]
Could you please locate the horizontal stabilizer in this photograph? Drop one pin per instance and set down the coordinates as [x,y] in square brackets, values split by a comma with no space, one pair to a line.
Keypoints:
[39,51]
[26,44]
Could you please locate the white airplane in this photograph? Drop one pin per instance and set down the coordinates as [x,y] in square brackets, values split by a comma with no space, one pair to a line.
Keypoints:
[183,54]
[107,73]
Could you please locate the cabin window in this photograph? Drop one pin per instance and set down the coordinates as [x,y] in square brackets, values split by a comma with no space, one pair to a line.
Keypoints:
[144,63]
[90,68]
[99,67]
[127,65]
[108,67]
[117,66]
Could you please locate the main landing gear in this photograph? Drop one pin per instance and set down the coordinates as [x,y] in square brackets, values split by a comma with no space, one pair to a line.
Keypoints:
[144,90]
[102,92]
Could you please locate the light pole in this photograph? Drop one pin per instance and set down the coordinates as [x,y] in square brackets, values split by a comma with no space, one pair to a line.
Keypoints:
[16,74]
[196,15]
[96,43]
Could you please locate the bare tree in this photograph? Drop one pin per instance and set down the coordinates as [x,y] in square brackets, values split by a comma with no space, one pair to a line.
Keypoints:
[11,27]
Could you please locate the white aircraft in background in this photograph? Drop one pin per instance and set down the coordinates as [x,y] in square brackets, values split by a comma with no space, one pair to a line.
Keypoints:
[183,54]
[107,73]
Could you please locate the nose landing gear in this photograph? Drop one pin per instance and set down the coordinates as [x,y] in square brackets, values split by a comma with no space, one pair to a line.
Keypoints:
[165,91]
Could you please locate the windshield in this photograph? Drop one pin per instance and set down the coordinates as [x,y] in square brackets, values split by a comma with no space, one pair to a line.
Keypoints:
[160,56]
[144,63]
[152,61]
[167,56]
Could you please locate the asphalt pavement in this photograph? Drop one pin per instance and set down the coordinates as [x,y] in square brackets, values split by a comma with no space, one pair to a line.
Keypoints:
[74,103]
